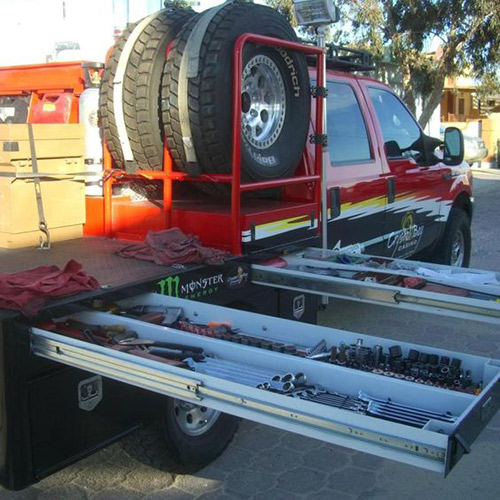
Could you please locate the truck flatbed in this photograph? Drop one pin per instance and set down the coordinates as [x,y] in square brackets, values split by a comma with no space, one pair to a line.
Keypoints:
[99,259]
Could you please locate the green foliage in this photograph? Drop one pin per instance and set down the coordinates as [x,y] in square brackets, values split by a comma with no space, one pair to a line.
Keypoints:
[488,92]
[468,30]
[176,4]
[286,8]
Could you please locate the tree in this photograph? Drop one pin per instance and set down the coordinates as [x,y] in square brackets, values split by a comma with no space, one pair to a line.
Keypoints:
[468,31]
[177,4]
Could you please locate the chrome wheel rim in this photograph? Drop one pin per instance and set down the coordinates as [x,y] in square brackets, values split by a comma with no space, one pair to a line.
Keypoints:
[458,250]
[263,103]
[194,420]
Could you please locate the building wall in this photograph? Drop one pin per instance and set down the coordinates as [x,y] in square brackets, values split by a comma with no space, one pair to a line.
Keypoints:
[457,105]
[459,108]
[491,137]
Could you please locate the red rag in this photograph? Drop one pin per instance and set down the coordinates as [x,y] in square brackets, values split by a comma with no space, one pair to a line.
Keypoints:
[172,246]
[27,291]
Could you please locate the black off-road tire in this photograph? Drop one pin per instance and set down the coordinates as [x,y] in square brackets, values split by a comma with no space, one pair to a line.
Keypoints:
[188,453]
[106,100]
[458,222]
[210,101]
[141,88]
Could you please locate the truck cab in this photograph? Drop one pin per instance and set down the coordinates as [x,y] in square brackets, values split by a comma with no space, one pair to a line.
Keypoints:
[390,191]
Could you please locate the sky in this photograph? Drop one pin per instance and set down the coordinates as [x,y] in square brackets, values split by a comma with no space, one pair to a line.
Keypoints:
[30,28]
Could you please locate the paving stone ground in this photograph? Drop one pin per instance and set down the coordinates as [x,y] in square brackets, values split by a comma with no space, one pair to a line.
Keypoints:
[267,463]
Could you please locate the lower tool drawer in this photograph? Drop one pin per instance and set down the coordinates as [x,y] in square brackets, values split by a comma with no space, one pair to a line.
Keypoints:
[316,381]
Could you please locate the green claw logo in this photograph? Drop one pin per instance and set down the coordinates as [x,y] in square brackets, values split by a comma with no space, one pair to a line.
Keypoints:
[170,286]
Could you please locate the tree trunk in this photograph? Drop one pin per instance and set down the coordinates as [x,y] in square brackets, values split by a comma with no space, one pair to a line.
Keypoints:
[431,103]
[409,99]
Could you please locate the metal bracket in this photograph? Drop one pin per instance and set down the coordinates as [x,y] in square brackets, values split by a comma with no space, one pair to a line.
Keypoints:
[319,91]
[321,139]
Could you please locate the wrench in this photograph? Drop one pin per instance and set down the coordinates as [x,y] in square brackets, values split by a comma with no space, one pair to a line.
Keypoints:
[366,397]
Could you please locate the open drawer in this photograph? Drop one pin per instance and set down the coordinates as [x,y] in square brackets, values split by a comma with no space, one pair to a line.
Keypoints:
[436,445]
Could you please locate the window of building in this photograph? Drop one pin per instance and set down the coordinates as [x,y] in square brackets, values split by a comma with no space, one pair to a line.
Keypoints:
[461,106]
[402,135]
[347,135]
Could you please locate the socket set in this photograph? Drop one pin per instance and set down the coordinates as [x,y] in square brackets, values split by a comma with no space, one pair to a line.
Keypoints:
[413,366]
[295,385]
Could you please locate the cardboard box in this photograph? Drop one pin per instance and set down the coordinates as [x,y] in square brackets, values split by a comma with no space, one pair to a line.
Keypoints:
[63,204]
[59,148]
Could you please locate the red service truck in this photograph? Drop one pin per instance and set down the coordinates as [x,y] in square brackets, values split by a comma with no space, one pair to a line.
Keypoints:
[214,123]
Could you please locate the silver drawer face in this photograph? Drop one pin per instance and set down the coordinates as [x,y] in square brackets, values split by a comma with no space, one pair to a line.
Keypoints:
[437,446]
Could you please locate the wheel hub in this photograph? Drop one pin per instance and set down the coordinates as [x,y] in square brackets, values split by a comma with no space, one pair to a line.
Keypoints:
[194,420]
[263,102]
[458,250]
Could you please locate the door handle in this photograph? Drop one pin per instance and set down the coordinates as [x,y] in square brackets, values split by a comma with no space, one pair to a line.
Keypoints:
[334,202]
[391,189]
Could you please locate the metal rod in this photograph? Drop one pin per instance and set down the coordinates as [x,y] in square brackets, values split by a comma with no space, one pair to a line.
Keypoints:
[252,186]
[167,185]
[324,150]
[236,149]
[107,191]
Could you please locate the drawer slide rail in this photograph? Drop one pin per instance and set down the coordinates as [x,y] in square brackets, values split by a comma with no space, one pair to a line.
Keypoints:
[311,276]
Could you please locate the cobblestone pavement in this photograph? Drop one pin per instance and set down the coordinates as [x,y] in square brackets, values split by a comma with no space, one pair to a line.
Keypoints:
[268,463]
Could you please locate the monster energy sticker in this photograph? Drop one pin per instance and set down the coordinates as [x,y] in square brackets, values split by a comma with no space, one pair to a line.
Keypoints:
[193,289]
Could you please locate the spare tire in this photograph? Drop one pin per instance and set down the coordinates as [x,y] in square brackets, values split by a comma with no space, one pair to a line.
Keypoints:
[197,103]
[141,88]
[106,99]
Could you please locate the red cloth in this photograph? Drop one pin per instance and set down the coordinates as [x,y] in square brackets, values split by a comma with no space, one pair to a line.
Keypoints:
[172,246]
[27,291]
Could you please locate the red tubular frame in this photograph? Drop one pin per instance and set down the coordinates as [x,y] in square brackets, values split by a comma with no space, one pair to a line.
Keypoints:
[168,176]
[237,188]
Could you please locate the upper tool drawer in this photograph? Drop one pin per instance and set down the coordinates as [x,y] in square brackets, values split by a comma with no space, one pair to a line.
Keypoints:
[410,403]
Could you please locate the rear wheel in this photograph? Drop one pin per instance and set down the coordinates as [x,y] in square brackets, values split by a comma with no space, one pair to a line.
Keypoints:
[196,435]
[455,246]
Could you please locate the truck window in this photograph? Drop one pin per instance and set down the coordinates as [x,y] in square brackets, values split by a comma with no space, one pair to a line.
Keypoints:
[402,135]
[347,136]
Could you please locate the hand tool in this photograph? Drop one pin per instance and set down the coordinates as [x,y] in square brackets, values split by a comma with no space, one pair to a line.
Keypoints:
[145,354]
[172,315]
[392,404]
[316,349]
[175,353]
[241,367]
[157,343]
[139,310]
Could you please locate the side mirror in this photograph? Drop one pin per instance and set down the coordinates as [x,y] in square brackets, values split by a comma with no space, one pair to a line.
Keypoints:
[453,146]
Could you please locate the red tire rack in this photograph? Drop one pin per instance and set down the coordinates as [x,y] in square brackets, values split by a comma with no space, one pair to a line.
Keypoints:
[168,175]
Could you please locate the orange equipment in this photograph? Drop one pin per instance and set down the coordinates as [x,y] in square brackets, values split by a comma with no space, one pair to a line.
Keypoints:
[46,83]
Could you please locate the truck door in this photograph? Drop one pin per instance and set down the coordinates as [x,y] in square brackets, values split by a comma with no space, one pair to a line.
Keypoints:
[415,190]
[356,183]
